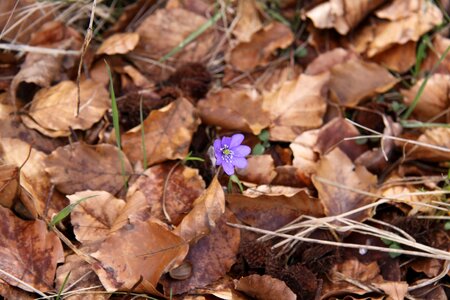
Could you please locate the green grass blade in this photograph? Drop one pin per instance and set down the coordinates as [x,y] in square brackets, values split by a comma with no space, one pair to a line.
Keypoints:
[66,211]
[417,124]
[144,149]
[63,286]
[192,36]
[115,115]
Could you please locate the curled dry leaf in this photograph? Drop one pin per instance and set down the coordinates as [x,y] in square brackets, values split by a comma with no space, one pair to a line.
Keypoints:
[81,276]
[211,257]
[274,210]
[145,195]
[263,43]
[9,184]
[264,287]
[338,168]
[296,106]
[35,185]
[28,251]
[342,15]
[396,290]
[52,111]
[168,133]
[93,218]
[305,158]
[119,43]
[260,169]
[80,167]
[202,219]
[248,22]
[439,136]
[398,58]
[380,35]
[434,100]
[236,109]
[143,251]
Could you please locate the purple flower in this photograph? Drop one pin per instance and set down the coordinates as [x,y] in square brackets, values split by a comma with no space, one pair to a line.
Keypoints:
[230,153]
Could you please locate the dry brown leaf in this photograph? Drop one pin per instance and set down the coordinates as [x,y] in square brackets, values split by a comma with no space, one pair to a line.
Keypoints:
[296,106]
[235,109]
[9,184]
[439,136]
[52,111]
[264,287]
[273,211]
[434,100]
[260,169]
[248,22]
[399,9]
[80,167]
[263,43]
[211,257]
[35,185]
[433,55]
[380,35]
[326,61]
[145,195]
[430,266]
[10,292]
[396,290]
[202,219]
[119,43]
[305,158]
[398,58]
[93,218]
[338,168]
[168,133]
[81,276]
[29,252]
[342,15]
[143,251]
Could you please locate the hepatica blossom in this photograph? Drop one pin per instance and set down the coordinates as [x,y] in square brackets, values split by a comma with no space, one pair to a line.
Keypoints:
[230,153]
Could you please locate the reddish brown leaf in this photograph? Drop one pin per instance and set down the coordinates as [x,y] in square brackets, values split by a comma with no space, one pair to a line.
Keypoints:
[398,58]
[260,169]
[28,251]
[119,43]
[248,22]
[338,168]
[265,288]
[80,167]
[168,133]
[9,184]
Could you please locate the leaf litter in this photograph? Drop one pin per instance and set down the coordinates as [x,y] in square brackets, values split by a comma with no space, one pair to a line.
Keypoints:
[345,108]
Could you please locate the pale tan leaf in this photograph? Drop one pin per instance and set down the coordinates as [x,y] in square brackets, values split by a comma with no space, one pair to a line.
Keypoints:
[263,43]
[342,15]
[119,43]
[433,55]
[248,22]
[53,110]
[202,219]
[80,167]
[399,9]
[143,251]
[168,133]
[237,109]
[260,169]
[396,290]
[93,218]
[439,136]
[9,184]
[338,168]
[265,287]
[296,106]
[28,251]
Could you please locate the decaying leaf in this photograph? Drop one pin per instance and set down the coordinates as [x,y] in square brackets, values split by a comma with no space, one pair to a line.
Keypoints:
[342,15]
[410,25]
[237,109]
[264,287]
[93,218]
[119,43]
[398,58]
[434,100]
[52,111]
[395,290]
[28,251]
[145,195]
[9,184]
[439,136]
[168,133]
[296,106]
[260,169]
[143,251]
[80,167]
[263,43]
[248,22]
[207,210]
[305,158]
[338,168]
[211,257]
[433,55]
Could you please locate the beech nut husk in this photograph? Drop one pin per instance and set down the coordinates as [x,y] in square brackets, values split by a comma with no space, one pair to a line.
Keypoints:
[182,272]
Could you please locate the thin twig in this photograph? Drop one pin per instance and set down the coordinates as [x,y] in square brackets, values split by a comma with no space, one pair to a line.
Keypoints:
[40,50]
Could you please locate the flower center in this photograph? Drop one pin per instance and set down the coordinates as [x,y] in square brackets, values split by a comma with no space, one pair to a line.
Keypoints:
[227,154]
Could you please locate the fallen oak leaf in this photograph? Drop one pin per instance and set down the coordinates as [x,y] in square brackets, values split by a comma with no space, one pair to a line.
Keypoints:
[264,287]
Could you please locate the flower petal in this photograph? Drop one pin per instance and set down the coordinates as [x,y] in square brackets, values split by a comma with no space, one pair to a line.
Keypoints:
[240,162]
[226,140]
[219,160]
[241,151]
[228,168]
[236,140]
[217,145]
